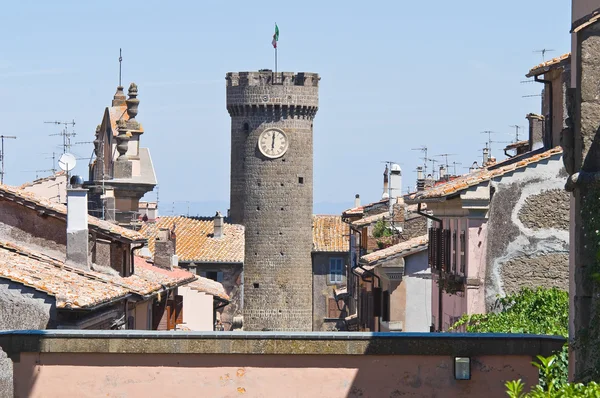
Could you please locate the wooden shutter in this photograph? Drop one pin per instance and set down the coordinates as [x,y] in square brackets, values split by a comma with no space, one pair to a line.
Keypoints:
[333,311]
[178,309]
[171,314]
[159,318]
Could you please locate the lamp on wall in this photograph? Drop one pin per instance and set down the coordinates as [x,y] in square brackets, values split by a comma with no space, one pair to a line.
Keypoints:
[462,368]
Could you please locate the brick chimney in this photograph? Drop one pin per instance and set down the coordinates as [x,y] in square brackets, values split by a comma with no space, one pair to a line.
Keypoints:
[385,193]
[536,131]
[164,249]
[420,179]
[218,225]
[77,228]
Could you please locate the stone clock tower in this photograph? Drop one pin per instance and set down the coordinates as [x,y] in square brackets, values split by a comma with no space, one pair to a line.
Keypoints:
[272,193]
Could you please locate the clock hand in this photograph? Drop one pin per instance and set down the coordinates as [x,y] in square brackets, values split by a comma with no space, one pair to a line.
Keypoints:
[273,141]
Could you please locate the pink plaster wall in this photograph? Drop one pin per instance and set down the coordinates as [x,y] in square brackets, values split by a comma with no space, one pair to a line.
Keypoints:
[179,375]
[476,264]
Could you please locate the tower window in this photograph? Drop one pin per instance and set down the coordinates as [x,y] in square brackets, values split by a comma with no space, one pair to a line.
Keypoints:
[256,285]
[246,128]
[300,180]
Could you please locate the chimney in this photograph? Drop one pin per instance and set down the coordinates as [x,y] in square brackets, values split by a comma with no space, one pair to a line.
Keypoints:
[486,155]
[164,249]
[395,181]
[473,167]
[420,179]
[442,173]
[357,200]
[385,193]
[77,227]
[218,225]
[536,131]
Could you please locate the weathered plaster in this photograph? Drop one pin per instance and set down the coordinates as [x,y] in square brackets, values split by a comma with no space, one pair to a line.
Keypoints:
[520,233]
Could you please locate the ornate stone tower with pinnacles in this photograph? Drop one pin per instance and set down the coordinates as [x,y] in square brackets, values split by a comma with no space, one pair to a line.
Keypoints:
[272,193]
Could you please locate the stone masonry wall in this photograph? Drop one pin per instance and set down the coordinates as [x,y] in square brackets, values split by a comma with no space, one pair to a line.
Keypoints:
[528,237]
[273,198]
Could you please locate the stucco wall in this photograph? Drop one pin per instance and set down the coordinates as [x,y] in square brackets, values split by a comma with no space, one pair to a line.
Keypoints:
[197,309]
[232,283]
[323,291]
[80,375]
[142,321]
[528,238]
[172,364]
[417,277]
[23,308]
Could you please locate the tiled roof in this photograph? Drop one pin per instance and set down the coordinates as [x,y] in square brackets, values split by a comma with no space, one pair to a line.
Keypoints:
[209,286]
[169,278]
[195,241]
[43,179]
[357,211]
[517,144]
[59,210]
[71,287]
[548,65]
[401,249]
[330,234]
[370,219]
[585,21]
[114,114]
[76,288]
[481,175]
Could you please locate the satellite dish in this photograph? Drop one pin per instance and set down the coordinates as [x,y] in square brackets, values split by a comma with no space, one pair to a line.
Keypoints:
[67,162]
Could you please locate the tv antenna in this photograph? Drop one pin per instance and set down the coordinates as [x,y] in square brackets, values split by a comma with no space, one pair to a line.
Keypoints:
[120,62]
[454,165]
[543,52]
[517,128]
[423,148]
[2,154]
[65,134]
[433,162]
[490,141]
[531,95]
[445,155]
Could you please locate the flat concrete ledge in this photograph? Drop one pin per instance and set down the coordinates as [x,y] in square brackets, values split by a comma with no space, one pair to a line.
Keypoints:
[278,343]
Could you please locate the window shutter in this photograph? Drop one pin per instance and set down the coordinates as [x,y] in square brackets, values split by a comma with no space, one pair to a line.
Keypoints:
[178,309]
[377,294]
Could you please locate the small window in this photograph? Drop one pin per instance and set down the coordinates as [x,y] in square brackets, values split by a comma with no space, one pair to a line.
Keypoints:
[300,180]
[246,128]
[213,275]
[336,270]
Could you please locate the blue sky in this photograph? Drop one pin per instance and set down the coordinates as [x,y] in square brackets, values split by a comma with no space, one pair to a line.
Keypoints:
[394,76]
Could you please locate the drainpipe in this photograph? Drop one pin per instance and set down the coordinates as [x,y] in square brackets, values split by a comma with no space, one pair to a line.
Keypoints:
[548,132]
[133,249]
[353,270]
[440,290]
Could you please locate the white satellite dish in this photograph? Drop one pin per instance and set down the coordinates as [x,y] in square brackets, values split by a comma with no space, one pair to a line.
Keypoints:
[67,162]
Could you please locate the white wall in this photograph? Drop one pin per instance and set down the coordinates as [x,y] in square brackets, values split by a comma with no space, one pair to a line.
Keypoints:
[417,276]
[197,309]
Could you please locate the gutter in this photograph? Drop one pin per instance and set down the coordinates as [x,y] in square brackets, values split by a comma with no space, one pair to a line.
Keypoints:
[97,306]
[440,290]
[133,249]
[547,133]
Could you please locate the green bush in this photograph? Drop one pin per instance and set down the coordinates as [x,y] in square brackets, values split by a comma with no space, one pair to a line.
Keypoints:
[381,230]
[551,387]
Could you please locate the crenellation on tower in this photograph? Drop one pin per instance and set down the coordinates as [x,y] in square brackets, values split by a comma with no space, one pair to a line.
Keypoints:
[272,193]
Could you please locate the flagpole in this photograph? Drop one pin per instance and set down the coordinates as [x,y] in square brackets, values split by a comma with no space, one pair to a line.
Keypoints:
[276,52]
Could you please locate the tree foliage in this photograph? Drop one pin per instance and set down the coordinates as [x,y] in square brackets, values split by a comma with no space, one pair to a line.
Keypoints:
[381,230]
[540,311]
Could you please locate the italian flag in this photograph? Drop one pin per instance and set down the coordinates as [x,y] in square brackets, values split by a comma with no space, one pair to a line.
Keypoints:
[275,37]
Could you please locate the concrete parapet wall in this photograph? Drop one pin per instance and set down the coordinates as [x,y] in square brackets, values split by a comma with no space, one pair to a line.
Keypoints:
[169,364]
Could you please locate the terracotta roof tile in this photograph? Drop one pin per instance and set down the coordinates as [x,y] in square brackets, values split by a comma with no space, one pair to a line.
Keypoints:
[27,198]
[330,234]
[548,65]
[209,286]
[71,287]
[401,249]
[195,240]
[479,176]
[169,278]
[43,179]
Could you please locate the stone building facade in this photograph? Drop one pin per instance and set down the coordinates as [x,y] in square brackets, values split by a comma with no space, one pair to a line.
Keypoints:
[272,193]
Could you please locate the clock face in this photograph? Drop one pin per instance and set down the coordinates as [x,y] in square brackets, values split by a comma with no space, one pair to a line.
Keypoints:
[273,143]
